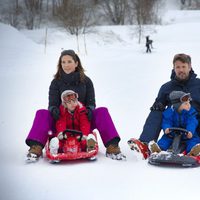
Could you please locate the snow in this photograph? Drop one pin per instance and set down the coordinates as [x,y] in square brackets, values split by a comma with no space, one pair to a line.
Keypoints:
[126,81]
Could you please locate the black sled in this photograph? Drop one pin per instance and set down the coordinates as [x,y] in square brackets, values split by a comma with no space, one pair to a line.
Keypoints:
[176,155]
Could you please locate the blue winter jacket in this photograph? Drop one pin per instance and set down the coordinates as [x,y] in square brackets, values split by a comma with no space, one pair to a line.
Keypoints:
[152,126]
[185,119]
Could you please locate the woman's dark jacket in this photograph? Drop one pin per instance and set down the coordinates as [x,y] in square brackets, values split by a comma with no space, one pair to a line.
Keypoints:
[152,125]
[72,81]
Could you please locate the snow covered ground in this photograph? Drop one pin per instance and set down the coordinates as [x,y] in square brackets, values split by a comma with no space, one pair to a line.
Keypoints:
[126,81]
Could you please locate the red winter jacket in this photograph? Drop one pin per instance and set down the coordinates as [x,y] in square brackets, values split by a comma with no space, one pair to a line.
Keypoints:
[76,121]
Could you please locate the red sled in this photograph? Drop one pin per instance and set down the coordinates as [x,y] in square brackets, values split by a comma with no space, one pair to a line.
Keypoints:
[71,149]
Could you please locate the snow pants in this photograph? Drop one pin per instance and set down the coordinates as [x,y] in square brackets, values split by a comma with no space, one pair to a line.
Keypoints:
[165,142]
[152,127]
[43,123]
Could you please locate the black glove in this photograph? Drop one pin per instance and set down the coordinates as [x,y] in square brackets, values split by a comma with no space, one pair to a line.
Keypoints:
[55,112]
[89,113]
[157,106]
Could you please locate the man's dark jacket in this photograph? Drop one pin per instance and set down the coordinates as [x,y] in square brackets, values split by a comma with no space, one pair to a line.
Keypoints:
[152,125]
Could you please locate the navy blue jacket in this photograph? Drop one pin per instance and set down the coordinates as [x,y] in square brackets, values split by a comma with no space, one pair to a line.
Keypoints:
[152,126]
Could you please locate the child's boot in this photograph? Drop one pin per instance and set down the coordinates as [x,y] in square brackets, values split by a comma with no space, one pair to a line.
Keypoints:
[195,151]
[91,142]
[153,147]
[54,146]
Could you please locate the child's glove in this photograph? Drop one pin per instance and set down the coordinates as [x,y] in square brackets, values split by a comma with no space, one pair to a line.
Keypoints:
[167,131]
[189,135]
[62,136]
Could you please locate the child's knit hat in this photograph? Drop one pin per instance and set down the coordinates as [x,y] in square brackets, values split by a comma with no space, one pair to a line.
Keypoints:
[178,97]
[69,94]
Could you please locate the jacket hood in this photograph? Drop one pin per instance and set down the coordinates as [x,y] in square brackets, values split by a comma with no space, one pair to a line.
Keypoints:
[191,75]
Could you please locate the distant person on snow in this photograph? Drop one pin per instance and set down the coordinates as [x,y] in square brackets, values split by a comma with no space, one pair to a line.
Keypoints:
[181,115]
[73,115]
[149,44]
[70,76]
[183,79]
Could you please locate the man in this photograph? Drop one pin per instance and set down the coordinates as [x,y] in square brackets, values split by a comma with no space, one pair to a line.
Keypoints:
[183,79]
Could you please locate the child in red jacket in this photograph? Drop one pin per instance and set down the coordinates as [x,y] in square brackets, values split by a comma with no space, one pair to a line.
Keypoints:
[73,115]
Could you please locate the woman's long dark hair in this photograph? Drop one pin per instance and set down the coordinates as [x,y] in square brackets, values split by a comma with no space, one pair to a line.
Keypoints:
[75,57]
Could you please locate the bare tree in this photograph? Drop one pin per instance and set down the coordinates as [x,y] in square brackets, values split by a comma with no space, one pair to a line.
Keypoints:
[114,10]
[10,12]
[14,13]
[54,7]
[75,16]
[144,12]
[32,13]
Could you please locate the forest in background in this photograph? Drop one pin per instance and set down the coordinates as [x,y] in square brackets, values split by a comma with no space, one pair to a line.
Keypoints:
[78,16]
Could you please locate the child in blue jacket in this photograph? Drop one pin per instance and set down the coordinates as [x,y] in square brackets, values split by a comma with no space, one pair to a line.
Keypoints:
[181,115]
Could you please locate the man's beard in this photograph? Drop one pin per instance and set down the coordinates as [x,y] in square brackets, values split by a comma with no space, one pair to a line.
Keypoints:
[183,77]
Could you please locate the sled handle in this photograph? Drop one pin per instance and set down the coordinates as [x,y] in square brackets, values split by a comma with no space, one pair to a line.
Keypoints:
[73,133]
[176,129]
[179,132]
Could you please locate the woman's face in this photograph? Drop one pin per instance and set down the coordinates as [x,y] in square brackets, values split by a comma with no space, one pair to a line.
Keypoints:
[68,64]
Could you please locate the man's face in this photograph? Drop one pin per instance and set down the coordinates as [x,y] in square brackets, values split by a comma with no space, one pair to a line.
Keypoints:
[182,70]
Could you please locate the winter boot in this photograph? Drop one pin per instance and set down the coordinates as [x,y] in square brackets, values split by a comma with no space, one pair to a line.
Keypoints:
[113,151]
[140,147]
[34,153]
[195,151]
[91,142]
[54,146]
[153,147]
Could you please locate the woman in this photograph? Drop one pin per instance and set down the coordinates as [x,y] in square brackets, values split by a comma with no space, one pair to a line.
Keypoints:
[70,76]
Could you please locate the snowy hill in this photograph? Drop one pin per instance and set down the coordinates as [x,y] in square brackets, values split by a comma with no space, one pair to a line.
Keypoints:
[126,81]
